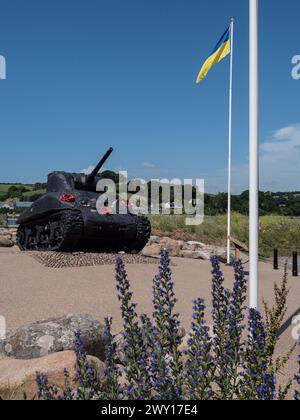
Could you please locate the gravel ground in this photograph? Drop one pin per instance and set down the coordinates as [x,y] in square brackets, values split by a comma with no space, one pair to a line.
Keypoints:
[89,259]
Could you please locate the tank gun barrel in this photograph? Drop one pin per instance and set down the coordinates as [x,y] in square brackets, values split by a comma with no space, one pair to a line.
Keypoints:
[91,177]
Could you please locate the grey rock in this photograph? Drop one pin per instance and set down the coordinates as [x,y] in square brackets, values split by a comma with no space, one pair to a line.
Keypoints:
[99,368]
[6,242]
[54,335]
[152,250]
[172,246]
[188,253]
[193,246]
[202,255]
[18,377]
[154,240]
[196,244]
[195,255]
[221,253]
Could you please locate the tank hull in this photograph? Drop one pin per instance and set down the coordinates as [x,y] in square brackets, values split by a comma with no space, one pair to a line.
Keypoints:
[66,218]
[52,225]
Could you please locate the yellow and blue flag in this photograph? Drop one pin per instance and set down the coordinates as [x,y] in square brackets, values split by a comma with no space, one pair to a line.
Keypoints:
[221,50]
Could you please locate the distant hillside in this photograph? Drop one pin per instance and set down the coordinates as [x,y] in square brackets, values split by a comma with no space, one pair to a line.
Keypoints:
[22,192]
[280,203]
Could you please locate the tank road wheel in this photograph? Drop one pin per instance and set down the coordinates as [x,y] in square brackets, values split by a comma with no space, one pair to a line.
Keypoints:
[66,232]
[21,238]
[59,232]
[143,233]
[43,237]
[26,238]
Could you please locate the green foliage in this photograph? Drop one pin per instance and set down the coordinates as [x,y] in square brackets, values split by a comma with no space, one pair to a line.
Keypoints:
[274,319]
[32,195]
[39,186]
[22,192]
[278,232]
[285,204]
[2,219]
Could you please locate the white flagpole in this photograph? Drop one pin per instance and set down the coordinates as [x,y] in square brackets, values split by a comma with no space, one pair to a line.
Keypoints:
[230,146]
[254,155]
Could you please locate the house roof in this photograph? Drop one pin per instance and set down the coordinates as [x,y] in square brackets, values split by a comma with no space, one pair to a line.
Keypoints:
[23,204]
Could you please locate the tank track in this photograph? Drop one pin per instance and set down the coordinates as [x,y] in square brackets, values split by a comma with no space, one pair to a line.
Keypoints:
[58,232]
[143,233]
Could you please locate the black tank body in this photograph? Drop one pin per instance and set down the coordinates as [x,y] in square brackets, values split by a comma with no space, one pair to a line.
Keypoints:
[66,219]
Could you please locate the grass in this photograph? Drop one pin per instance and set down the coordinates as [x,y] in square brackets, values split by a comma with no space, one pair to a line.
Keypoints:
[27,196]
[2,219]
[30,193]
[278,232]
[5,187]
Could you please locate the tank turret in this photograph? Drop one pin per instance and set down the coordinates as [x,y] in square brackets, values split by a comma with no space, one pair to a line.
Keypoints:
[65,181]
[91,177]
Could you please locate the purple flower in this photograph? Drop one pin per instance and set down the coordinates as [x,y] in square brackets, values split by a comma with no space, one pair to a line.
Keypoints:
[219,363]
[113,390]
[46,391]
[221,300]
[200,363]
[167,356]
[88,383]
[259,382]
[135,354]
[297,379]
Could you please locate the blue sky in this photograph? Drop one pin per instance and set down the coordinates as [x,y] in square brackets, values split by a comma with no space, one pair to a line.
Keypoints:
[86,75]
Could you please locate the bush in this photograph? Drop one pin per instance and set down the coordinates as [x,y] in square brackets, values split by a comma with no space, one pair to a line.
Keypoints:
[218,363]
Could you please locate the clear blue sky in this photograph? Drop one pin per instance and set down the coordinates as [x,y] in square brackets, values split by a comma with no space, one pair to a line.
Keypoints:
[86,75]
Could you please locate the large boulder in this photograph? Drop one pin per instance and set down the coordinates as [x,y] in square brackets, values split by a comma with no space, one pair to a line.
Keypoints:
[221,253]
[54,335]
[152,250]
[18,377]
[172,246]
[193,246]
[190,249]
[195,255]
[156,245]
[154,240]
[6,242]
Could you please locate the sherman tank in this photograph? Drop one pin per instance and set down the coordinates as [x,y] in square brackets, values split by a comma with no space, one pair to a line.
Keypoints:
[66,218]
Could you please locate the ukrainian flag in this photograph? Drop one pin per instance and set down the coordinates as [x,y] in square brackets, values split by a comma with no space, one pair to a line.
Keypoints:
[221,50]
